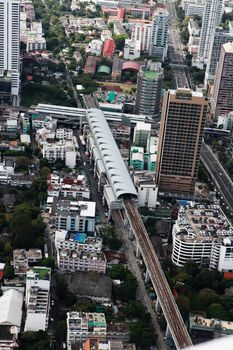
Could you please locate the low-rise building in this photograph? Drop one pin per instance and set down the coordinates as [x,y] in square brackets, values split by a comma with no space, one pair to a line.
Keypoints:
[64,134]
[203,233]
[37,299]
[77,241]
[81,326]
[23,258]
[11,304]
[193,27]
[74,260]
[62,149]
[95,47]
[109,48]
[132,49]
[75,187]
[78,216]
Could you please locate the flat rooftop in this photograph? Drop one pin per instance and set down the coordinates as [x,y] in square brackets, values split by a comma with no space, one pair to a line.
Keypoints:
[213,325]
[203,222]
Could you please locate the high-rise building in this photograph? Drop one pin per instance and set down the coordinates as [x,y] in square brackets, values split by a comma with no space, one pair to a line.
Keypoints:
[220,37]
[159,34]
[149,89]
[223,93]
[211,19]
[181,131]
[9,50]
[142,32]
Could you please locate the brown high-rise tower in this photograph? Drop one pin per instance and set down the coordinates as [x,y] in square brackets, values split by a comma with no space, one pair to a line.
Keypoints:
[223,91]
[181,131]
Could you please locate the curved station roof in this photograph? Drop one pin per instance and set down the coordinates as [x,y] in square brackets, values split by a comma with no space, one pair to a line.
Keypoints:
[116,171]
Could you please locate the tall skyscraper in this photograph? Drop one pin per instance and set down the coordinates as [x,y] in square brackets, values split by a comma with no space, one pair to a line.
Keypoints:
[9,50]
[220,37]
[159,34]
[181,131]
[149,89]
[223,90]
[211,19]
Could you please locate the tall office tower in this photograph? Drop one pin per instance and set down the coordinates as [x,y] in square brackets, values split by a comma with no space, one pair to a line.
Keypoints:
[9,50]
[223,92]
[211,19]
[220,37]
[149,89]
[181,131]
[159,34]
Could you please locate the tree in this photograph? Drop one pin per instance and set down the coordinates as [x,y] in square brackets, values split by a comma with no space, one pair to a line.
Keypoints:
[22,163]
[9,271]
[184,305]
[120,41]
[35,341]
[142,334]
[217,311]
[207,296]
[44,172]
[134,310]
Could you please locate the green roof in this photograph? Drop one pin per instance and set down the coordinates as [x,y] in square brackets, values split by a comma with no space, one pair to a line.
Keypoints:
[104,69]
[43,272]
[150,75]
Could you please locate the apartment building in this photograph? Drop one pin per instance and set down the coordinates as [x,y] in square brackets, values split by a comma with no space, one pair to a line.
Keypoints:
[222,101]
[77,241]
[81,325]
[180,139]
[203,234]
[64,134]
[77,216]
[142,32]
[62,149]
[10,51]
[149,89]
[193,7]
[132,49]
[220,37]
[141,134]
[37,299]
[211,19]
[75,260]
[159,34]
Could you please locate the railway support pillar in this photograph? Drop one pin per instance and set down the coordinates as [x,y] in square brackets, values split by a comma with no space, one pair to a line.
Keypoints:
[130,233]
[168,332]
[138,254]
[157,306]
[147,276]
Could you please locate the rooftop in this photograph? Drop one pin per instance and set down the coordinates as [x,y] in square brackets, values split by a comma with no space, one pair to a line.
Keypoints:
[43,272]
[214,325]
[203,222]
[150,75]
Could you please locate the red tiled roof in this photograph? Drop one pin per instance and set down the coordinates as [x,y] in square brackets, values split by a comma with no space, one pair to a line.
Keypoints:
[120,13]
[1,275]
[109,47]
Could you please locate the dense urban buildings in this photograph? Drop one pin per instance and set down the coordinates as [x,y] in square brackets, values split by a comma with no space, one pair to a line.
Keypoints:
[220,37]
[9,50]
[149,89]
[181,131]
[159,34]
[211,19]
[223,92]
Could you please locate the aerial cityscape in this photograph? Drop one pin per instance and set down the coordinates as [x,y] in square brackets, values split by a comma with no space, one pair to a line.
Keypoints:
[116,174]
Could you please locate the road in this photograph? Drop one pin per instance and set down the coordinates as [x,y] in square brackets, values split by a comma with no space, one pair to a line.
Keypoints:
[142,293]
[175,48]
[168,304]
[218,174]
[70,82]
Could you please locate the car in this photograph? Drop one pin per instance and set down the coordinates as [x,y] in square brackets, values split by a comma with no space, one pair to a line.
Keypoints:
[220,174]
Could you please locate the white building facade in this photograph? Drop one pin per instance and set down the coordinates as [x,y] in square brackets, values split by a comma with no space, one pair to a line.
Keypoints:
[211,19]
[10,49]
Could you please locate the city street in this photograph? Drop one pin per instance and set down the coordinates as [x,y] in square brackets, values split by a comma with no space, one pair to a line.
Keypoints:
[175,50]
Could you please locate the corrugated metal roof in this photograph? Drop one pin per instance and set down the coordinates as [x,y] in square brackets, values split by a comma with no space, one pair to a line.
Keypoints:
[11,303]
[116,171]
